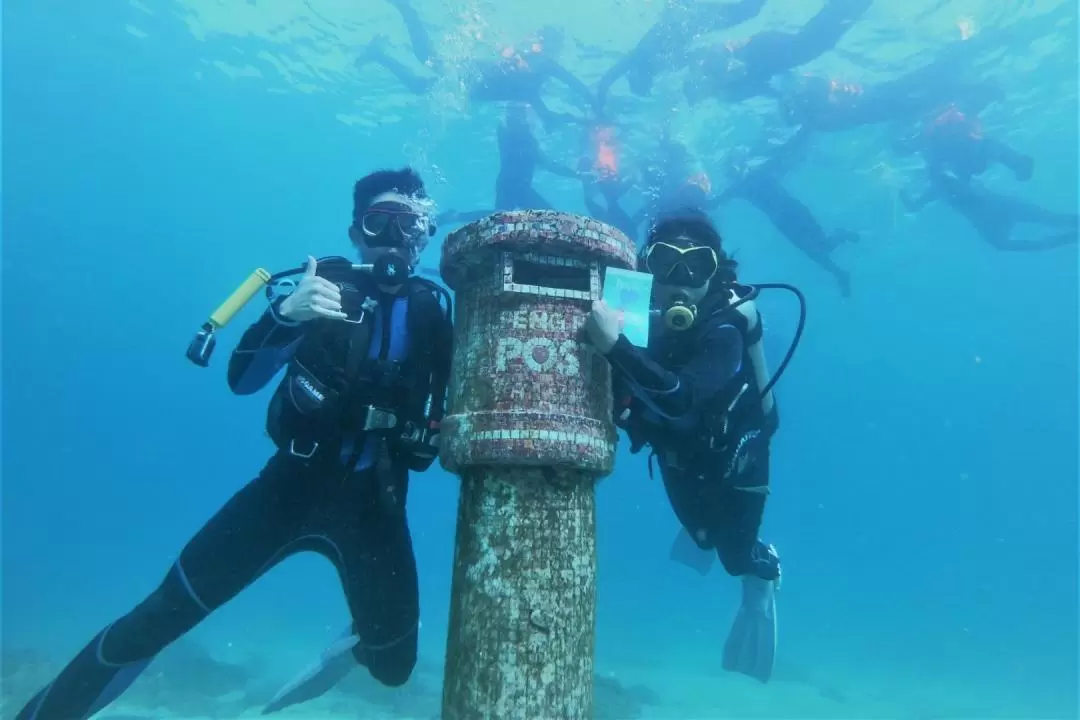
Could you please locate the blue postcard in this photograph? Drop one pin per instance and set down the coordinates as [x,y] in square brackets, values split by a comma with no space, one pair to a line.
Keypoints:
[630,292]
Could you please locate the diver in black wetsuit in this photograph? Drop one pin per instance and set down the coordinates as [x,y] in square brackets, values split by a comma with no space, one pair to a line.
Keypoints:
[701,397]
[368,360]
[665,45]
[518,76]
[736,71]
[520,155]
[953,142]
[762,186]
[993,215]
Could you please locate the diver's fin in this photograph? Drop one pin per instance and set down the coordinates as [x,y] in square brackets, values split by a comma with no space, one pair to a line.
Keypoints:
[686,552]
[335,663]
[751,645]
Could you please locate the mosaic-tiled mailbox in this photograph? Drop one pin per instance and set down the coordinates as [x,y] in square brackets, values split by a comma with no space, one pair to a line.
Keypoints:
[529,430]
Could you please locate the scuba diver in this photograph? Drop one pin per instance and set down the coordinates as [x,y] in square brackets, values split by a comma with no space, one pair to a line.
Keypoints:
[517,76]
[761,185]
[367,356]
[665,46]
[994,215]
[737,71]
[520,155]
[701,397]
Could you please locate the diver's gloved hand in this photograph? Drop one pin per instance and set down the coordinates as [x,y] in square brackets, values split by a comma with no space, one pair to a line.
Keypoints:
[314,297]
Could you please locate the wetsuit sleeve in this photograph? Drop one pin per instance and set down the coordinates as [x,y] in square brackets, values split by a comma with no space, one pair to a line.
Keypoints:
[679,396]
[263,350]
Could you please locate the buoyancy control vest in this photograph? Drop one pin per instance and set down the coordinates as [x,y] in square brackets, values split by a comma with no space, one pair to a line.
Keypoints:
[384,370]
[738,419]
[743,416]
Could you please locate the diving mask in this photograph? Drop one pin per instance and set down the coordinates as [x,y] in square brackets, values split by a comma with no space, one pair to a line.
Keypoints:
[412,227]
[690,266]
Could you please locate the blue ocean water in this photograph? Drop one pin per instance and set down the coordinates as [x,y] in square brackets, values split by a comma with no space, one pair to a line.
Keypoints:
[924,479]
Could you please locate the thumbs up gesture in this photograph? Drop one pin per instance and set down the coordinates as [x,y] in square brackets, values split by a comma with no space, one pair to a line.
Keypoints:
[314,297]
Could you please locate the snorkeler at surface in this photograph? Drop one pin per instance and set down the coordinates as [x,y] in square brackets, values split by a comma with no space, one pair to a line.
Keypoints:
[520,156]
[361,352]
[953,142]
[827,104]
[517,76]
[737,71]
[604,177]
[762,186]
[994,215]
[665,47]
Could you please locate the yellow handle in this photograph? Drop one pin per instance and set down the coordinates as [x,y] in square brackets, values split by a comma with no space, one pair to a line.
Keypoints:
[255,282]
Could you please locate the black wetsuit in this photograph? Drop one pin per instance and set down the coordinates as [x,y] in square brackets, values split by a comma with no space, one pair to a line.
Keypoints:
[354,516]
[737,72]
[994,215]
[518,76]
[667,395]
[763,188]
[953,142]
[520,156]
[664,46]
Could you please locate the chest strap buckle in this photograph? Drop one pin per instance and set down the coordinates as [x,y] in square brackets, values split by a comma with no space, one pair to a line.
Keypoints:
[302,454]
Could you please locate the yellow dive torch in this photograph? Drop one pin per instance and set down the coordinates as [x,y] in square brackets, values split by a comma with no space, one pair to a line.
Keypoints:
[202,346]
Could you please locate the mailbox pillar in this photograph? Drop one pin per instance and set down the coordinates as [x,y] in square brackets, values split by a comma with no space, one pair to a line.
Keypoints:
[529,431]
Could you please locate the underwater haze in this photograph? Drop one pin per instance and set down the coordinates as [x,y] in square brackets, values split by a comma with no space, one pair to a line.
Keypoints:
[924,482]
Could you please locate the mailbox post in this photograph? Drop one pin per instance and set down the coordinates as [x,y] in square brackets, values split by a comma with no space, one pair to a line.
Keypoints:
[529,431]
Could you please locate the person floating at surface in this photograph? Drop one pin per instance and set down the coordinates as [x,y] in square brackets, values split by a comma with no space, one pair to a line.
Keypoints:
[831,104]
[520,155]
[517,76]
[665,45]
[994,215]
[762,186]
[737,71]
[603,178]
[363,357]
[699,396]
[952,141]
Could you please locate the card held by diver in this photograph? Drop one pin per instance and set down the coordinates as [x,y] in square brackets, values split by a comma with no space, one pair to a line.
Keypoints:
[630,292]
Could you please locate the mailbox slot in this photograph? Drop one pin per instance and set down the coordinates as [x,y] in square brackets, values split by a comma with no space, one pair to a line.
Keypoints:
[550,276]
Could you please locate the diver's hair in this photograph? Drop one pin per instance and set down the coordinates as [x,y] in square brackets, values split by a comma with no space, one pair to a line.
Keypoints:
[695,223]
[405,181]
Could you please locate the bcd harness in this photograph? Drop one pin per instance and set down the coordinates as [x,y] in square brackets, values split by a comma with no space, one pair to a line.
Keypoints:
[334,392]
[737,418]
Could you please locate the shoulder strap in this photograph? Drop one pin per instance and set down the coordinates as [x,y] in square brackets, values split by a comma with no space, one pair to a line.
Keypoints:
[430,321]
